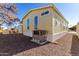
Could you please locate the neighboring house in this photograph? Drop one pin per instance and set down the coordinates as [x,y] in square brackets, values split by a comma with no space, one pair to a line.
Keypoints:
[2,31]
[6,31]
[73,28]
[47,18]
[77,28]
[18,29]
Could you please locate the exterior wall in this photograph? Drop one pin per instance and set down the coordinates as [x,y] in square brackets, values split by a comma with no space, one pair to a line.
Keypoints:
[44,22]
[59,24]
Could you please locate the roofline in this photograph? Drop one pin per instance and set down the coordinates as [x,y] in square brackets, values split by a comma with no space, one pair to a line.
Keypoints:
[43,7]
[55,8]
[51,6]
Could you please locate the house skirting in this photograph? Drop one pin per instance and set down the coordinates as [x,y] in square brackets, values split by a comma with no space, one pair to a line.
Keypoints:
[28,34]
[56,36]
[50,38]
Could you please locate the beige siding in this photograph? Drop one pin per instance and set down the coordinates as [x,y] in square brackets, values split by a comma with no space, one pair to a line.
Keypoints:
[59,24]
[45,21]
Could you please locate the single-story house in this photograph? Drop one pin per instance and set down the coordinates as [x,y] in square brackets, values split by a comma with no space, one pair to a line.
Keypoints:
[47,20]
[6,31]
[18,29]
[77,28]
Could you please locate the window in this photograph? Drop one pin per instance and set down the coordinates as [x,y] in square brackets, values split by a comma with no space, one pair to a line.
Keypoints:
[44,13]
[35,22]
[28,23]
[55,23]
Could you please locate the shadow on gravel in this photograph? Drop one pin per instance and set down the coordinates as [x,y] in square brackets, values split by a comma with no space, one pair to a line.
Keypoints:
[11,44]
[75,46]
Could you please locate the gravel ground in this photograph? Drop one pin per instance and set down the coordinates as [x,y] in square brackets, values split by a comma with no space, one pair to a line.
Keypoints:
[60,48]
[17,44]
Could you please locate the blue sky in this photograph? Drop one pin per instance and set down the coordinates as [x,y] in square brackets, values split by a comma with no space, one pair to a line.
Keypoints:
[23,8]
[69,11]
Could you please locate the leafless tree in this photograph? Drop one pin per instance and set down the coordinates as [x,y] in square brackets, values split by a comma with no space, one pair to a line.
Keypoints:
[8,12]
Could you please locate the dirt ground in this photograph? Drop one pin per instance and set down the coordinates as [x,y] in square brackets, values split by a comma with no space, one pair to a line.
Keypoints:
[20,45]
[60,48]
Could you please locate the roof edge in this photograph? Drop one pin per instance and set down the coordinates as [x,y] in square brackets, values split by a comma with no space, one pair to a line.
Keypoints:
[50,5]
